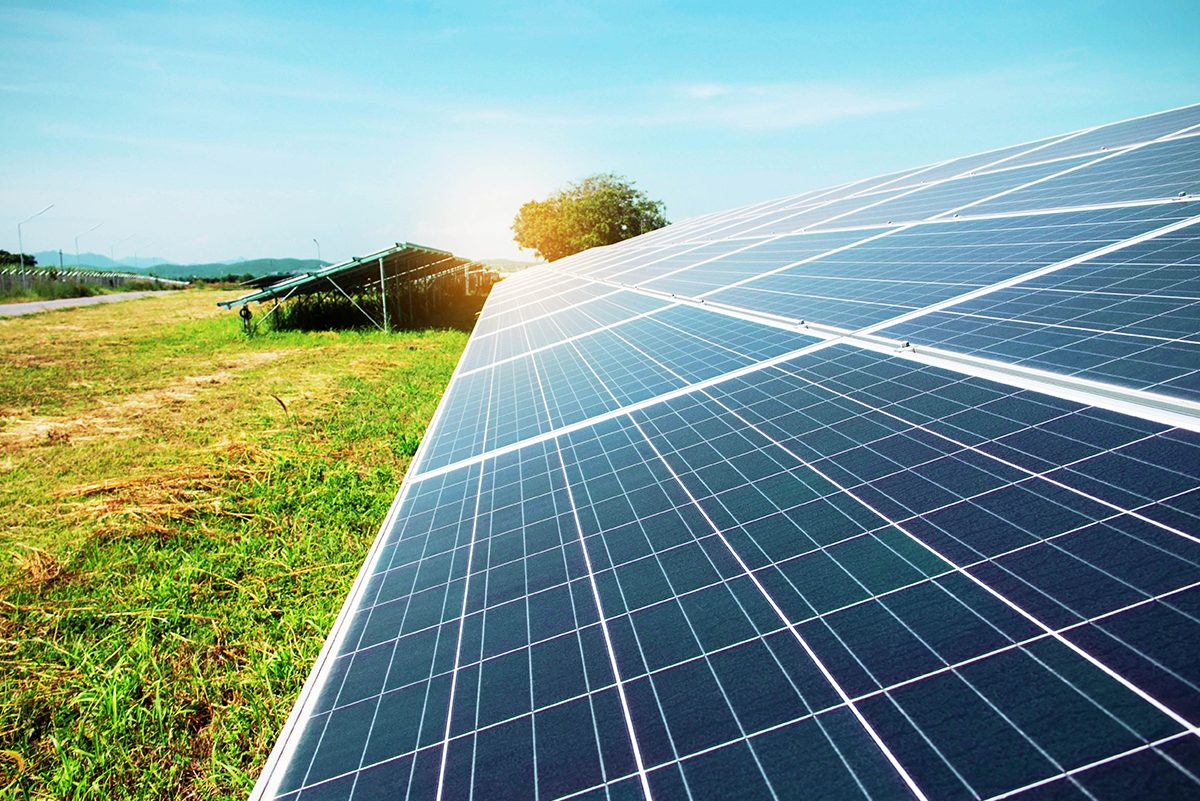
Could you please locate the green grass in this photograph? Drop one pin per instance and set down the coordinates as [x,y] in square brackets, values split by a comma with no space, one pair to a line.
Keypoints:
[56,290]
[183,510]
[50,290]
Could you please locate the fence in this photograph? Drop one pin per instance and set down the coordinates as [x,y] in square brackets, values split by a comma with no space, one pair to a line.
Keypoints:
[16,279]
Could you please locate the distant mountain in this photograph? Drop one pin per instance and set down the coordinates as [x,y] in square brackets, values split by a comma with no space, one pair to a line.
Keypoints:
[156,265]
[255,267]
[49,258]
[508,265]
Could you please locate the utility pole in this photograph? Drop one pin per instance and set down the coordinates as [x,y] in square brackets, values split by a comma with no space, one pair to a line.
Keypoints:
[21,240]
[112,249]
[136,249]
[85,233]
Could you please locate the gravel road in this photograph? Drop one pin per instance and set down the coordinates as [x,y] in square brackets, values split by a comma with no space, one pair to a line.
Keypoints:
[15,309]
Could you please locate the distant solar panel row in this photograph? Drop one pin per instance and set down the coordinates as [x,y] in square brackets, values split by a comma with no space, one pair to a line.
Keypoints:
[885,491]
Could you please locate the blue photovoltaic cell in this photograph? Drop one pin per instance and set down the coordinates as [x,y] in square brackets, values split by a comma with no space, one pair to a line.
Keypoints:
[1159,170]
[765,255]
[518,291]
[1131,318]
[732,226]
[657,549]
[562,385]
[992,159]
[747,570]
[695,255]
[1120,134]
[556,326]
[624,259]
[912,268]
[538,306]
[826,214]
[945,197]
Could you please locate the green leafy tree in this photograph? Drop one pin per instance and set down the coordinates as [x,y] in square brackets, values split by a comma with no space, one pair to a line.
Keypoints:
[11,259]
[599,210]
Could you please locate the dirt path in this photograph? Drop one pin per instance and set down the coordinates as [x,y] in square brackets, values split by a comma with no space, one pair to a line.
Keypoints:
[121,417]
[15,309]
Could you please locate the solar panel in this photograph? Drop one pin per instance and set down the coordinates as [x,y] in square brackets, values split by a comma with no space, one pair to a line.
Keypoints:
[885,491]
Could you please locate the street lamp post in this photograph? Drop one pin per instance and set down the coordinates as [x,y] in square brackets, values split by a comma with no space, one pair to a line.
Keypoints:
[318,244]
[21,240]
[85,233]
[139,247]
[112,249]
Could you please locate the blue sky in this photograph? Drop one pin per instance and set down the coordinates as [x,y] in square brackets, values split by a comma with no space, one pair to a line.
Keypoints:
[213,130]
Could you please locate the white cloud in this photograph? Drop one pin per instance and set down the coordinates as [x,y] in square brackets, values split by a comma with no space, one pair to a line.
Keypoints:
[704,91]
[777,106]
[745,107]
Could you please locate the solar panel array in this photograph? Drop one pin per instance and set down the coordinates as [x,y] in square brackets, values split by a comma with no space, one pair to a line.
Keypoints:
[890,490]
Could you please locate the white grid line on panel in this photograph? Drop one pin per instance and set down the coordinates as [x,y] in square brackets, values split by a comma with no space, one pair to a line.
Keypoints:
[1070,325]
[461,618]
[902,227]
[796,263]
[1031,474]
[1165,409]
[266,786]
[1143,694]
[1017,467]
[954,668]
[1037,539]
[813,713]
[353,654]
[1003,215]
[529,351]
[1141,403]
[815,199]
[387,675]
[613,414]
[1085,334]
[753,244]
[1085,387]
[975,448]
[920,187]
[1123,150]
[490,334]
[595,590]
[1147,405]
[812,655]
[282,752]
[776,608]
[986,169]
[968,217]
[676,595]
[882,688]
[539,301]
[1154,746]
[1027,276]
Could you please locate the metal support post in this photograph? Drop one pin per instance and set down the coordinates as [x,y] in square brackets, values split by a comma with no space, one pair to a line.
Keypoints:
[383,296]
[352,302]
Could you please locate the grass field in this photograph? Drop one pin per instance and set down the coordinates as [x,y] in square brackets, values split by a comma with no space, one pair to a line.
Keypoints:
[56,290]
[182,511]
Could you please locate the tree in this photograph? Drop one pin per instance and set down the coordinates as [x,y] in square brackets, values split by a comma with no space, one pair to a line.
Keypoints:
[15,258]
[599,210]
